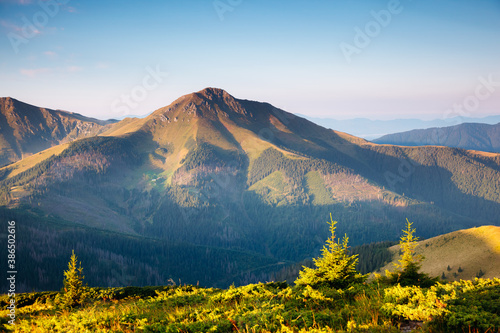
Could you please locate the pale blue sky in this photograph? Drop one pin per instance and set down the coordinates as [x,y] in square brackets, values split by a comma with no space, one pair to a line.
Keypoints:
[88,56]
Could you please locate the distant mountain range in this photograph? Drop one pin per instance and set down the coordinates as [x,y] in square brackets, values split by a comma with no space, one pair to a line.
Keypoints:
[373,129]
[215,189]
[26,129]
[481,137]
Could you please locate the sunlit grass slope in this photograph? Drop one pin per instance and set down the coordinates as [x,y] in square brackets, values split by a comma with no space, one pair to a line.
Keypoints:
[462,254]
[31,161]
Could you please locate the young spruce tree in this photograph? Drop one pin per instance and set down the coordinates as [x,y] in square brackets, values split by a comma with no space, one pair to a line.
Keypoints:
[74,290]
[407,244]
[408,269]
[336,268]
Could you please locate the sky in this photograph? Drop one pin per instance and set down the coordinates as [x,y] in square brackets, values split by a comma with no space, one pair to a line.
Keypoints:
[338,59]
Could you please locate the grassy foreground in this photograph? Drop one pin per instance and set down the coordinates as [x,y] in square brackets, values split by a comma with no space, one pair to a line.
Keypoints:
[462,306]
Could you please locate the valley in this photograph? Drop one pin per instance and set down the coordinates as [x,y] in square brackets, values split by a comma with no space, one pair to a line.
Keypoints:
[214,174]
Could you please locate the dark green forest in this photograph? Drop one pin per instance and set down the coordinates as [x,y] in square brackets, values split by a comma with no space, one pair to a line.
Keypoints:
[114,260]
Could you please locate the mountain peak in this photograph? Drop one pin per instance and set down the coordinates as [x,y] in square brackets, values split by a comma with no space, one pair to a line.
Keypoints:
[210,101]
[213,93]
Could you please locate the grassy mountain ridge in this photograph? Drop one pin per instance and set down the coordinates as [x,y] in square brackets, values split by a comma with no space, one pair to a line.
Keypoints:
[462,181]
[215,171]
[463,254]
[27,129]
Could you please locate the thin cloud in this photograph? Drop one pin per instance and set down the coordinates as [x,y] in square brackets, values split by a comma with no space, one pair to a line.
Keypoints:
[70,9]
[33,72]
[18,2]
[102,65]
[50,54]
[14,28]
[11,27]
[74,69]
